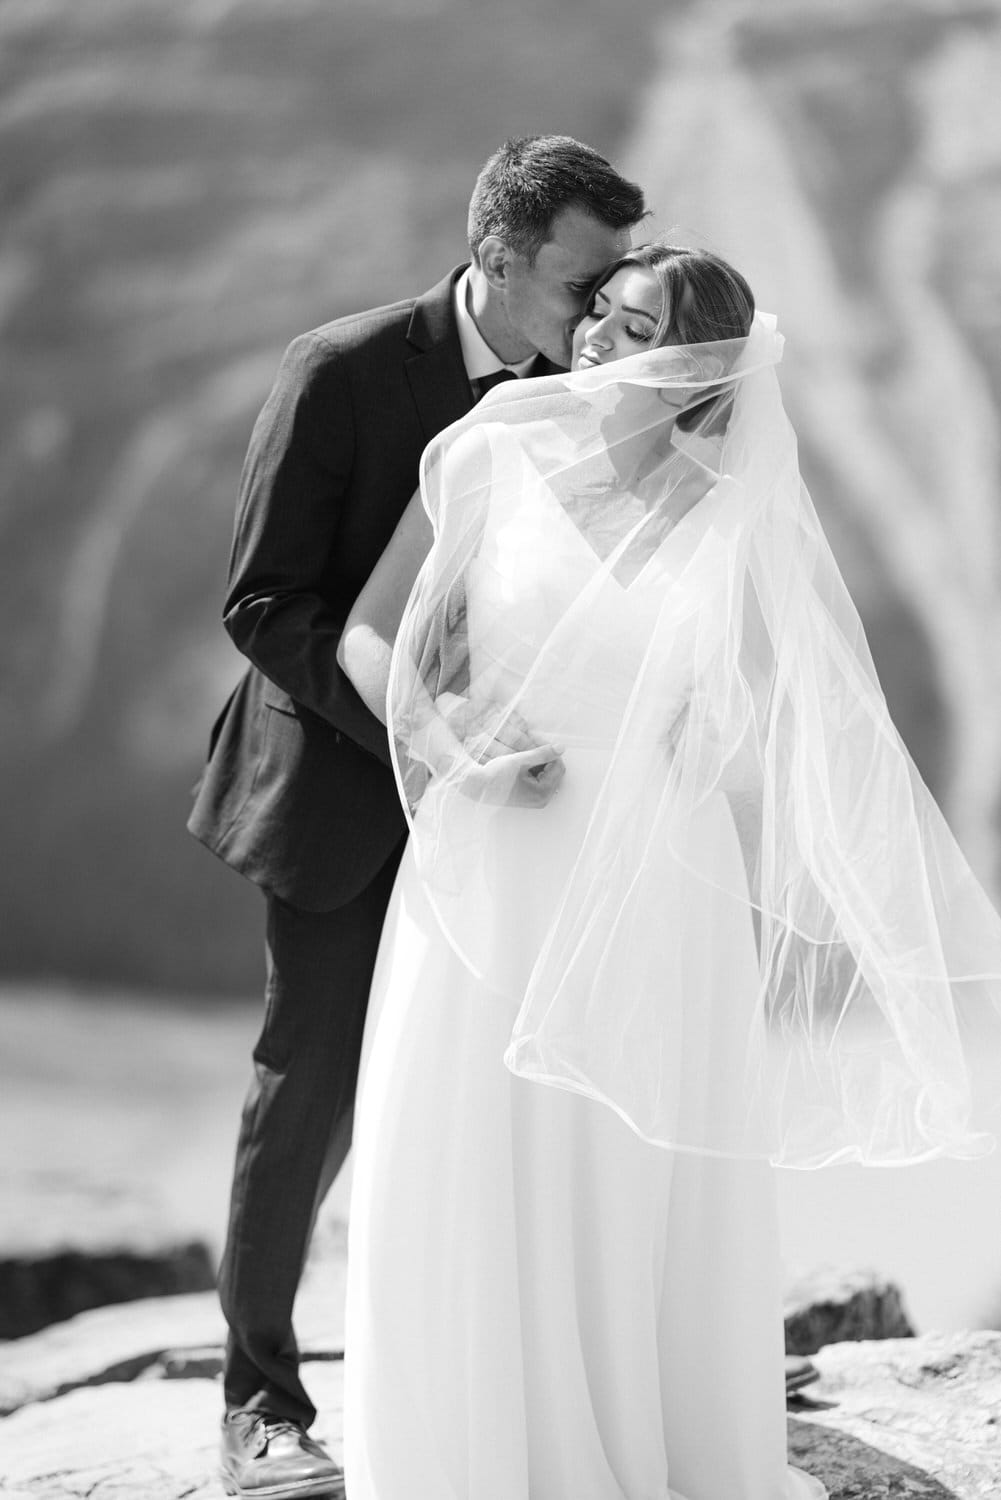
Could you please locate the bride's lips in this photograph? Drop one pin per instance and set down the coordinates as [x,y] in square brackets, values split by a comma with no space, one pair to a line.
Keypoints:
[585,360]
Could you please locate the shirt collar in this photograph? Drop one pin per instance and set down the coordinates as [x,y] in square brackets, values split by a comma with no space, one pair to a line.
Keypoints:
[477,355]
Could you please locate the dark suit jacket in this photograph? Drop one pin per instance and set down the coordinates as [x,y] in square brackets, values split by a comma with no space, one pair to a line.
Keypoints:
[298,794]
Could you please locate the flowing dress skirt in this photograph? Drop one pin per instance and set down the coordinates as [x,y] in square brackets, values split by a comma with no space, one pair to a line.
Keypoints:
[541,1305]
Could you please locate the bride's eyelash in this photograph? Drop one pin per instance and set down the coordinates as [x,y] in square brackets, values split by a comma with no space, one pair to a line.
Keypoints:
[638,335]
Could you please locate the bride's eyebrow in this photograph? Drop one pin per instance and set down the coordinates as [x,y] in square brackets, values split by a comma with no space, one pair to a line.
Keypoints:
[640,312]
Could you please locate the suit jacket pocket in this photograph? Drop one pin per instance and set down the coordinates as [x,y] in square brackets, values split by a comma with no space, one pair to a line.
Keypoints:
[312,724]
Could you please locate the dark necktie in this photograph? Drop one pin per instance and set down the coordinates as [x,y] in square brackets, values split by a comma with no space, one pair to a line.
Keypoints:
[487,382]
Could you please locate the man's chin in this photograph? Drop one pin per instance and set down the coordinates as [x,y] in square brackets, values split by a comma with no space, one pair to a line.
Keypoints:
[559,351]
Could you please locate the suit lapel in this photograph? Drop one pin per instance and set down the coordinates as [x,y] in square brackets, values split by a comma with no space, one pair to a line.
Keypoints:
[544,366]
[437,375]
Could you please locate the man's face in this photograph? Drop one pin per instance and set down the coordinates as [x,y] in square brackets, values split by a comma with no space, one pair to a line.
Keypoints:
[544,301]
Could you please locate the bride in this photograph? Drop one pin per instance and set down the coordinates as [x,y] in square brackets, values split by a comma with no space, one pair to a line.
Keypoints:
[676,908]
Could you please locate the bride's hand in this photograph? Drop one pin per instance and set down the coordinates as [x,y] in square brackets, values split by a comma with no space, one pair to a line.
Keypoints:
[502,764]
[519,778]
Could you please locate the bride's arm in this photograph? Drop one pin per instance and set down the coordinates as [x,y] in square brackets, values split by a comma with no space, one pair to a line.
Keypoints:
[533,770]
[366,644]
[365,651]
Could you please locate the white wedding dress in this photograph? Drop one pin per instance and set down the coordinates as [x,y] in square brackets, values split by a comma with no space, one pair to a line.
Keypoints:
[541,1305]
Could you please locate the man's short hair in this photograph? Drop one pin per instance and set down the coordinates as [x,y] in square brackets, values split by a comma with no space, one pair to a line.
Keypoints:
[525,184]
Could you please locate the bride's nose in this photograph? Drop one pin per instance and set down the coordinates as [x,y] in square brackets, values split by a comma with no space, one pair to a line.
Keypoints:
[598,333]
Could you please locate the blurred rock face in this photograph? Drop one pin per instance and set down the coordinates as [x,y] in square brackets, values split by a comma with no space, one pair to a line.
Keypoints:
[186,188]
[851,165]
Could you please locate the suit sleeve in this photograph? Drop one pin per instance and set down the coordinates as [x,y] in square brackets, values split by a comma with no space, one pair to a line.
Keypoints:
[291,498]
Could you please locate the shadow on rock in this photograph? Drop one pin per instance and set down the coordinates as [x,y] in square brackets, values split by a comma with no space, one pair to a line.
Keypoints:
[42,1289]
[853,1470]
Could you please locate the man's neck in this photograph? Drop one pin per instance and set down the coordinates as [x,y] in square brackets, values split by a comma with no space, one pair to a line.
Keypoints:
[491,319]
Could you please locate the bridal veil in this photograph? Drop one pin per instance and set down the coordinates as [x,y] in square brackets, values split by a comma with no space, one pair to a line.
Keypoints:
[749,749]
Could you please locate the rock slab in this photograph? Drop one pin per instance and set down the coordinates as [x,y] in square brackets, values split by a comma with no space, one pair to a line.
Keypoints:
[912,1419]
[37,1290]
[124,1402]
[165,1336]
[908,1419]
[153,1439]
[830,1306]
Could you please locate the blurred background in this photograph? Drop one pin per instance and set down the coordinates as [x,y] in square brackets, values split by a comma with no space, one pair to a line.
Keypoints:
[186,185]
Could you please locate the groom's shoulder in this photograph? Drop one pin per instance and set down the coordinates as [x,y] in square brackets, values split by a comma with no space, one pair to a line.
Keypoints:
[358,339]
[359,346]
[347,348]
[358,329]
[382,329]
[368,345]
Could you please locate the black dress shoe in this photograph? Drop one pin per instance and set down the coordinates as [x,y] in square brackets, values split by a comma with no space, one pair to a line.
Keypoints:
[799,1372]
[266,1458]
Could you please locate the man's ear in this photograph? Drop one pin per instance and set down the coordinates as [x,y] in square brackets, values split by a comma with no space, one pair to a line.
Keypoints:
[495,261]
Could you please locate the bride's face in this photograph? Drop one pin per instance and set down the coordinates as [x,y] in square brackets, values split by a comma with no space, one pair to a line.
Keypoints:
[621,319]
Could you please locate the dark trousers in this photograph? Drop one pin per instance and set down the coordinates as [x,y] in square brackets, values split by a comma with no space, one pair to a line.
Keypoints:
[294,1134]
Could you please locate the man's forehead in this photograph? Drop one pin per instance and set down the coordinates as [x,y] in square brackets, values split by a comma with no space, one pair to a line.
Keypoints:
[580,245]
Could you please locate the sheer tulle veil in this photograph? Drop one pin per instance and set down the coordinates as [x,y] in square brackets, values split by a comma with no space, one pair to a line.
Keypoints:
[753,721]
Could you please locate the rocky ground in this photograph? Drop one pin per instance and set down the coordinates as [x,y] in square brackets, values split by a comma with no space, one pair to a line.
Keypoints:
[915,1419]
[115,1143]
[124,1401]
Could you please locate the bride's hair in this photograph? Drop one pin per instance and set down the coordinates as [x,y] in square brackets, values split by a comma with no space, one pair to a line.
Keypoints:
[706,301]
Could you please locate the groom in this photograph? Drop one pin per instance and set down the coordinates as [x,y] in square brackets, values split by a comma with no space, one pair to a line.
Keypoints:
[297,794]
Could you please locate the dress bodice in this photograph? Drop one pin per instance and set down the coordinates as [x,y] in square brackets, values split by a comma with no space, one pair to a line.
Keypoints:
[552,627]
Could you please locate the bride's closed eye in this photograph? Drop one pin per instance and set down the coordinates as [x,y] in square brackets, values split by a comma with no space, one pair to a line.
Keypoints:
[640,333]
[637,334]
